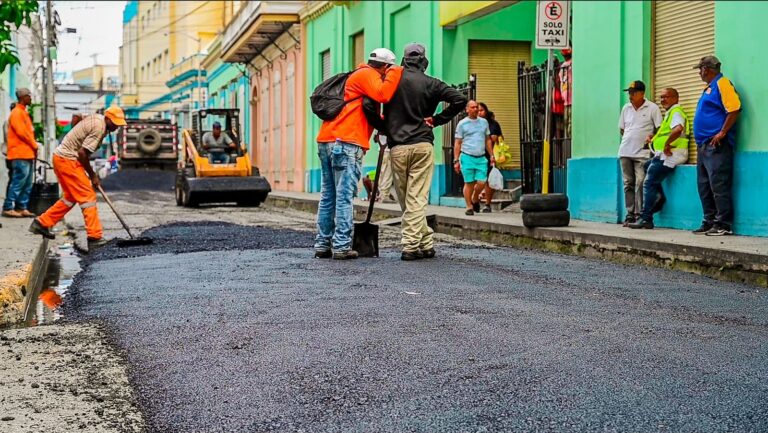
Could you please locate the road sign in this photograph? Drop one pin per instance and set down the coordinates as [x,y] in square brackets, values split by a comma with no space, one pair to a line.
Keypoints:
[553,19]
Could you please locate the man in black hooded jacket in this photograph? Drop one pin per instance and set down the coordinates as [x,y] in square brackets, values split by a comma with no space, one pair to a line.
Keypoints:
[408,121]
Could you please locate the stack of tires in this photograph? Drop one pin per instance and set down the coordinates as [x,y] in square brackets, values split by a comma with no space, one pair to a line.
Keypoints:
[545,210]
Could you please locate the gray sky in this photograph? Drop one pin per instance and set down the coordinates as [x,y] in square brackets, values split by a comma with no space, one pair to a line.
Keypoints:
[99,27]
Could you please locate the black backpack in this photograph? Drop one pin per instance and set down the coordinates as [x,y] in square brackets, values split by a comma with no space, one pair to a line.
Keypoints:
[327,100]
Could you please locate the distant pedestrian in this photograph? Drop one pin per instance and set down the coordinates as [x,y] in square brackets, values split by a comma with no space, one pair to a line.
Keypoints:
[8,163]
[472,143]
[341,145]
[716,113]
[565,80]
[71,164]
[409,119]
[639,119]
[670,147]
[496,136]
[22,152]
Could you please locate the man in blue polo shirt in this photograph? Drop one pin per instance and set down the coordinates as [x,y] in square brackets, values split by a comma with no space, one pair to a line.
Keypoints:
[718,109]
[472,141]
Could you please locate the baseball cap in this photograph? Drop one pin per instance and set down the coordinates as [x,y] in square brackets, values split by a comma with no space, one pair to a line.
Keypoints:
[711,62]
[116,115]
[382,55]
[414,49]
[636,85]
[216,125]
[22,91]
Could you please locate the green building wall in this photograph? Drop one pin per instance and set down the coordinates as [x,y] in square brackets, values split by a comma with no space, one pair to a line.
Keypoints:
[612,46]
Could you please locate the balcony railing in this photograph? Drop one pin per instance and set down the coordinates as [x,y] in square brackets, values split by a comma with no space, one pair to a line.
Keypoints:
[241,25]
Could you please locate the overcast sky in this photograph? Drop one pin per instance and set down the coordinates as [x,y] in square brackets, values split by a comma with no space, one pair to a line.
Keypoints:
[99,27]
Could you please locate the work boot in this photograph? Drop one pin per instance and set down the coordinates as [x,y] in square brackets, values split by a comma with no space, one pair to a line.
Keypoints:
[26,214]
[428,254]
[703,229]
[94,244]
[12,214]
[38,229]
[327,254]
[345,255]
[412,255]
[641,224]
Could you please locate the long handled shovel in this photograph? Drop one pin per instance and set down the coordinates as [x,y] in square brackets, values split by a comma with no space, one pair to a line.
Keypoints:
[366,237]
[133,241]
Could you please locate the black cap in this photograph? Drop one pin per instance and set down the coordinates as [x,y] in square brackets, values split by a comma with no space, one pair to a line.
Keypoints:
[636,85]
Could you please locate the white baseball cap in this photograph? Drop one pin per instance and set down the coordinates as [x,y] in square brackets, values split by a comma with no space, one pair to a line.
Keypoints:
[382,55]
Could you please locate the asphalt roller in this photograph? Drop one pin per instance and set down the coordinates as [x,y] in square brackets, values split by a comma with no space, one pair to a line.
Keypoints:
[201,180]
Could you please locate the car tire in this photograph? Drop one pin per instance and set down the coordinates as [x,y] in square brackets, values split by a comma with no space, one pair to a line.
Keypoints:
[558,218]
[543,202]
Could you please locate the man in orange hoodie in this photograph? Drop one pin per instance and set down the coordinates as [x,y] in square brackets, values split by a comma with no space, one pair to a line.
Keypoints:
[22,151]
[342,142]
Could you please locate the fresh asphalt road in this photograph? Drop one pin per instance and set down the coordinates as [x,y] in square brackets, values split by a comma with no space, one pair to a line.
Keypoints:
[230,328]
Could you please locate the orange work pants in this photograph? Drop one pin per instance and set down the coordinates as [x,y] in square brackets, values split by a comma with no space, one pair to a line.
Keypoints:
[78,189]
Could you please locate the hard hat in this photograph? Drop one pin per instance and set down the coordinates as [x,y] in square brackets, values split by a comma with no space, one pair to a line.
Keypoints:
[116,115]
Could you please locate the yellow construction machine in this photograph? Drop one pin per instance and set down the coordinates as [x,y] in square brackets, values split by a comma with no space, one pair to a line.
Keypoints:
[203,179]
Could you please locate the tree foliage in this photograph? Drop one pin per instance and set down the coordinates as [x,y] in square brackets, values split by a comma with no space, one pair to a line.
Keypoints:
[13,13]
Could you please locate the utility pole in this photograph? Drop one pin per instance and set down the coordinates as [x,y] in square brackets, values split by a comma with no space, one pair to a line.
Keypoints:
[49,126]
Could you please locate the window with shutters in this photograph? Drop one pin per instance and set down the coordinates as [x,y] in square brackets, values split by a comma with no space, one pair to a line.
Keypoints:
[290,118]
[325,61]
[683,33]
[264,124]
[357,56]
[277,124]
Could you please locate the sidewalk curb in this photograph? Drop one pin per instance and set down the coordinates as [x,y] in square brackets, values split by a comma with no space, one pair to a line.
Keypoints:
[719,264]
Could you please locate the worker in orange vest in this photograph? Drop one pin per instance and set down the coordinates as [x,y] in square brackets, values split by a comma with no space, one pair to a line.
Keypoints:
[22,151]
[71,163]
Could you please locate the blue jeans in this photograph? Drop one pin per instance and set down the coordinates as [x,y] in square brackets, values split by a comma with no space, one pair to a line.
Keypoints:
[655,173]
[340,166]
[218,157]
[21,185]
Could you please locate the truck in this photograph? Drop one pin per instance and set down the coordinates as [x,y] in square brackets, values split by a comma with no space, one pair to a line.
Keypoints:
[148,142]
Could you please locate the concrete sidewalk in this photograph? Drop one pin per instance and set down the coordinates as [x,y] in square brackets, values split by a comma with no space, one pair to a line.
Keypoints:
[734,258]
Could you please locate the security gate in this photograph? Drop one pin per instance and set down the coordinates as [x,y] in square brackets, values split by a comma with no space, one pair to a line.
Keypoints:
[454,181]
[532,97]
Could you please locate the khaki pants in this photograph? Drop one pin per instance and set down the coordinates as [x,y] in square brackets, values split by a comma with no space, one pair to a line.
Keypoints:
[386,185]
[412,166]
[633,173]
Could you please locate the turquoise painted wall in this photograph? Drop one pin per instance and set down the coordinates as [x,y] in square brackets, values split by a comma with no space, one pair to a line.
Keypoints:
[611,48]
[223,79]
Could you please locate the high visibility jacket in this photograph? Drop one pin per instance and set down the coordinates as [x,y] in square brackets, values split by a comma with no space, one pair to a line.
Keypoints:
[351,125]
[21,134]
[660,139]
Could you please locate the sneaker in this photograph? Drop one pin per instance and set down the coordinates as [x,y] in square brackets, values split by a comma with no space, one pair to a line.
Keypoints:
[641,224]
[327,254]
[629,220]
[487,209]
[12,214]
[719,230]
[469,212]
[428,254]
[38,229]
[94,244]
[412,255]
[703,229]
[26,214]
[345,255]
[476,207]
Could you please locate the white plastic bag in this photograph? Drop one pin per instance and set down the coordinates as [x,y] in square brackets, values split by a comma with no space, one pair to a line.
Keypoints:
[495,179]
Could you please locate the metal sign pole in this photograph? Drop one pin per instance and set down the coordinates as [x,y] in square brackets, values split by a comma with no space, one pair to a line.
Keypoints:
[547,128]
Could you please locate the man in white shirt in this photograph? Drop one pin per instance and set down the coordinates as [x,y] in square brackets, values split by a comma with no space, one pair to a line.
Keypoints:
[639,119]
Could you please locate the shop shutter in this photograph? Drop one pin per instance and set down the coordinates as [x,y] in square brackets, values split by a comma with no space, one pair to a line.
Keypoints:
[495,63]
[325,60]
[358,50]
[683,33]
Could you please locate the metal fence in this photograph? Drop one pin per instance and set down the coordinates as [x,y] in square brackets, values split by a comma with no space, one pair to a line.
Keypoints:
[532,100]
[454,181]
